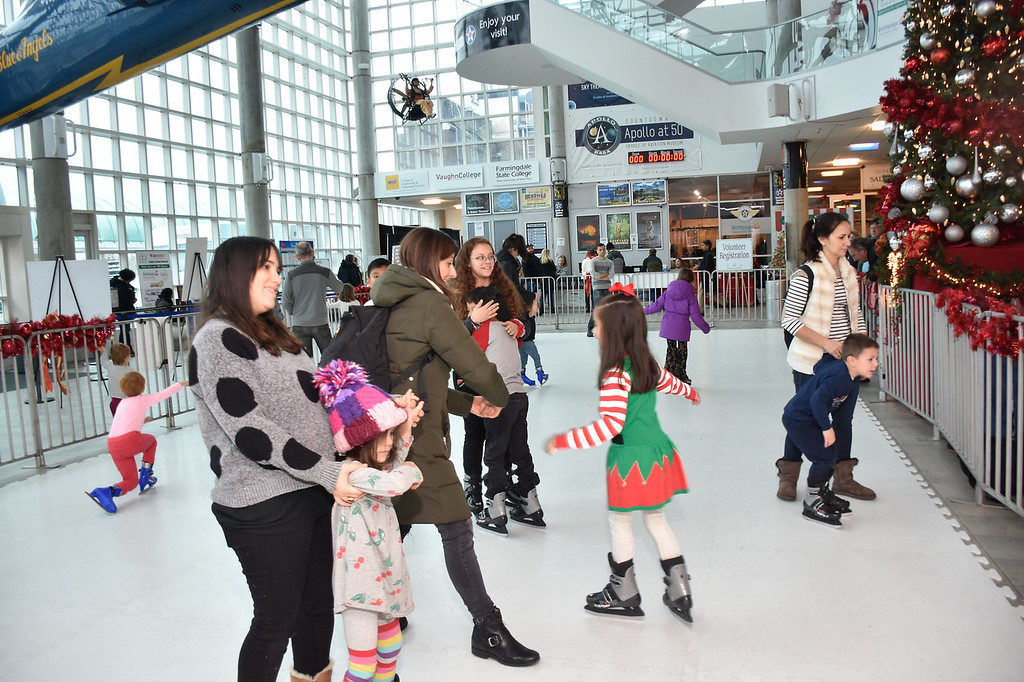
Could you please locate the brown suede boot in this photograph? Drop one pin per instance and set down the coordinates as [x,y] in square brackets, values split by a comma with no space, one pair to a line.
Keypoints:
[843,483]
[789,472]
[322,676]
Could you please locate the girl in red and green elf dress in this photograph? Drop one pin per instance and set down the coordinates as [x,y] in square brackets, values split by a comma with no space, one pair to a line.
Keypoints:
[644,471]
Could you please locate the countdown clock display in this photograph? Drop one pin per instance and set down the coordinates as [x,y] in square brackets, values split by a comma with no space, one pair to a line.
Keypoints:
[656,156]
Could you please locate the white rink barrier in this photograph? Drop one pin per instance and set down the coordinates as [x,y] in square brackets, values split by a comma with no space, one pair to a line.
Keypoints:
[972,397]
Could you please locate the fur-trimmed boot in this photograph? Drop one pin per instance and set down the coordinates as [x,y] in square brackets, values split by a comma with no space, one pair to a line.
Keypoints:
[789,472]
[322,676]
[621,596]
[843,483]
[678,597]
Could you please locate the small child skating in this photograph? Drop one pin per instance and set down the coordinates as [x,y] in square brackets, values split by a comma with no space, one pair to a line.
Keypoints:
[506,449]
[115,363]
[679,301]
[644,471]
[811,428]
[372,589]
[125,440]
[528,345]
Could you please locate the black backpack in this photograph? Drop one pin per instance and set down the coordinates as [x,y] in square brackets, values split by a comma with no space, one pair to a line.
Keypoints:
[362,339]
[786,335]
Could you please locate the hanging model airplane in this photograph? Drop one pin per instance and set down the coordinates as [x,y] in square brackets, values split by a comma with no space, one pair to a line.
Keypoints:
[58,52]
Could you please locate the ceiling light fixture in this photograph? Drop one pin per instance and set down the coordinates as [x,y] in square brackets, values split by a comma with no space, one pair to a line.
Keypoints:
[831,173]
[864,147]
[457,207]
[849,161]
[815,189]
[432,201]
[878,126]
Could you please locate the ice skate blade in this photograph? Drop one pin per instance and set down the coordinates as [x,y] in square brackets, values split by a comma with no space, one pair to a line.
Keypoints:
[629,612]
[821,522]
[683,613]
[98,503]
[526,521]
[500,531]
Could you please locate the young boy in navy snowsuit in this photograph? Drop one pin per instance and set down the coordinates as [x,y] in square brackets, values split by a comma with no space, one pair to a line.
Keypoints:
[809,425]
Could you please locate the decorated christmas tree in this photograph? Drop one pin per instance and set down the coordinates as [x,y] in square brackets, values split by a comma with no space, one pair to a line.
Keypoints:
[956,128]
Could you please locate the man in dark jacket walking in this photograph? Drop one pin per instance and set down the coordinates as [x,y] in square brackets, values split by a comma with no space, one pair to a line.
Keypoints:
[618,261]
[652,263]
[126,299]
[303,296]
[349,271]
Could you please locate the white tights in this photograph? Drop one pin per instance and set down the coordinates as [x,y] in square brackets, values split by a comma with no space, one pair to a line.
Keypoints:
[657,525]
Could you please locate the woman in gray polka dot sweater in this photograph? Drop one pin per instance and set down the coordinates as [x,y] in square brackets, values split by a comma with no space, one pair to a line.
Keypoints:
[273,454]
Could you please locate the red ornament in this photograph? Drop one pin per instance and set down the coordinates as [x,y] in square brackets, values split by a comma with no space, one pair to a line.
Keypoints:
[912,64]
[993,45]
[939,56]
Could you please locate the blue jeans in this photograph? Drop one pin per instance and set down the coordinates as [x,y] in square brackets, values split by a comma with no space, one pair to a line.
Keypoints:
[529,350]
[595,298]
[807,437]
[842,423]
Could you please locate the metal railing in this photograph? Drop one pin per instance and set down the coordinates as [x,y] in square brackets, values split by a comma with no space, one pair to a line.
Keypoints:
[743,296]
[51,402]
[972,397]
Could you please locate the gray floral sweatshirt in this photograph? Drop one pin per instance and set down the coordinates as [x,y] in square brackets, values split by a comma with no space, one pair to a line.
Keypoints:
[369,564]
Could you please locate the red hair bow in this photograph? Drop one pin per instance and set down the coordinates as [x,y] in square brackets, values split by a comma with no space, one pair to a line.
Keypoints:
[628,289]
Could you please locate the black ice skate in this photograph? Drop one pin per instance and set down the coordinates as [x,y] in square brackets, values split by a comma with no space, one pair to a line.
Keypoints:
[526,509]
[677,597]
[494,517]
[474,494]
[817,508]
[838,504]
[621,596]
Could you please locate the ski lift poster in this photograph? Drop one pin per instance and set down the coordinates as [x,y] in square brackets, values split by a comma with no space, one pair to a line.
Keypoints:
[494,26]
[505,202]
[477,204]
[608,129]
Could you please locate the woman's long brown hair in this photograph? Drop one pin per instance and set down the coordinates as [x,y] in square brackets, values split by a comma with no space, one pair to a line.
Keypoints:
[235,263]
[465,281]
[624,334]
[421,251]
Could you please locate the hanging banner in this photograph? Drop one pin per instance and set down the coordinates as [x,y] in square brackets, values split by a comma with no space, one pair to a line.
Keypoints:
[154,275]
[535,198]
[560,200]
[515,173]
[500,25]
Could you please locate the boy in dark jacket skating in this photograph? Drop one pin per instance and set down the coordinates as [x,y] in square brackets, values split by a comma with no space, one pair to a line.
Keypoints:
[809,425]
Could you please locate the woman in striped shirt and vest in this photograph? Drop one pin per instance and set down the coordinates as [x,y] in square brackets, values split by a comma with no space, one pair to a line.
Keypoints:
[822,309]
[644,471]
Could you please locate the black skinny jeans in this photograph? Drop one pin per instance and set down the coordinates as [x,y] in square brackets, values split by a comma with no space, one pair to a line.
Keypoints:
[507,449]
[289,576]
[463,567]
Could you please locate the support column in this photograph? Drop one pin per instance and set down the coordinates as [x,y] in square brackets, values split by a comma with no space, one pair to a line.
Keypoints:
[52,188]
[366,134]
[255,162]
[783,37]
[559,172]
[794,198]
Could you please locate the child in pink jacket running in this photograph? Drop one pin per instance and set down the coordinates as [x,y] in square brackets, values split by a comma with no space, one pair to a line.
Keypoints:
[125,440]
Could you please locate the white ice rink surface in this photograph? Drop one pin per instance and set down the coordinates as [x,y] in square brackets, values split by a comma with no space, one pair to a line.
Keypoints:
[153,593]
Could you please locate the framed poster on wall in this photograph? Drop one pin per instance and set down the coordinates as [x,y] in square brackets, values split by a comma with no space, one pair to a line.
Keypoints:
[649,192]
[537,234]
[587,232]
[648,230]
[617,227]
[477,204]
[535,198]
[613,195]
[505,202]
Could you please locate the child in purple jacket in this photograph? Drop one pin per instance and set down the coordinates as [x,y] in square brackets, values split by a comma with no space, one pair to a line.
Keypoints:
[680,305]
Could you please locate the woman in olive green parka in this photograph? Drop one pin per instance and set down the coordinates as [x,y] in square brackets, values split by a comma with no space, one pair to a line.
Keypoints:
[421,321]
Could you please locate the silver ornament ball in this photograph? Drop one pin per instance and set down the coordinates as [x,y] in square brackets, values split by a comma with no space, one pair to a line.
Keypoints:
[1000,149]
[924,151]
[953,233]
[1010,181]
[947,10]
[912,189]
[965,187]
[985,8]
[984,234]
[894,213]
[908,134]
[992,176]
[990,218]
[938,214]
[911,25]
[956,164]
[896,170]
[928,41]
[964,77]
[929,183]
[889,128]
[1009,213]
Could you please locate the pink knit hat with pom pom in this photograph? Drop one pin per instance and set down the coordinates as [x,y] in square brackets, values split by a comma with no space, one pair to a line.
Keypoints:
[357,410]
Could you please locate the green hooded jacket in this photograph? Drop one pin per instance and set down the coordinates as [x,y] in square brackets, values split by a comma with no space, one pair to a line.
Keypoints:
[422,320]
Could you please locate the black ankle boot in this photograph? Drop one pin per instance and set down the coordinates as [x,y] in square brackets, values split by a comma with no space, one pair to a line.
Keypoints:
[491,639]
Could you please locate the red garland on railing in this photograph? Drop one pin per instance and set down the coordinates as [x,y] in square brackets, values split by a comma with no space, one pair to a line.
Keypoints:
[60,331]
[976,121]
[998,334]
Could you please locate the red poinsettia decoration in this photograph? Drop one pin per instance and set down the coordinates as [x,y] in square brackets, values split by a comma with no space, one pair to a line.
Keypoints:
[998,334]
[55,332]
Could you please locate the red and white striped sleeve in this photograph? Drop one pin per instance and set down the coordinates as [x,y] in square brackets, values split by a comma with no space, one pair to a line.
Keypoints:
[670,384]
[612,407]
